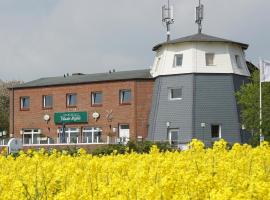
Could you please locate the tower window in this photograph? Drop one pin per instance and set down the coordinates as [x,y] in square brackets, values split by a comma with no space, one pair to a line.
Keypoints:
[175,93]
[216,131]
[237,60]
[209,58]
[178,60]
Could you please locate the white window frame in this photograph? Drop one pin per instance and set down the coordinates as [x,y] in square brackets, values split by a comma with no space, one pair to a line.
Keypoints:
[170,135]
[32,132]
[91,130]
[44,101]
[238,61]
[219,134]
[93,97]
[175,60]
[121,96]
[21,101]
[170,94]
[68,131]
[68,99]
[210,53]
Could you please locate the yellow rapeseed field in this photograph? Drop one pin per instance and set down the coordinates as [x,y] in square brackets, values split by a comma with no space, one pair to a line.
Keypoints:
[198,173]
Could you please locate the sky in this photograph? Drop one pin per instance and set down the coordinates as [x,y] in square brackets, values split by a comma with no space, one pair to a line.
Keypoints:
[44,38]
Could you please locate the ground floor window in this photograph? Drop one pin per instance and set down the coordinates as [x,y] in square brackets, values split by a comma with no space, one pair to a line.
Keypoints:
[174,136]
[91,135]
[124,132]
[31,136]
[215,131]
[69,135]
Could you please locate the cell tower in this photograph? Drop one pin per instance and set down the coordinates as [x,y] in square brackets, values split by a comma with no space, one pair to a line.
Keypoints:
[199,16]
[167,17]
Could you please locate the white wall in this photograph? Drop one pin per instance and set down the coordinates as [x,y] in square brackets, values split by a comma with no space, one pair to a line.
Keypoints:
[194,58]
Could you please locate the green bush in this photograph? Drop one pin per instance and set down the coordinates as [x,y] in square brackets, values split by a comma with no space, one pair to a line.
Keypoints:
[139,147]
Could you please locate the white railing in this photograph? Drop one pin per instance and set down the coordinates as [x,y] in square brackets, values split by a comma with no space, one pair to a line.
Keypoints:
[3,142]
[65,141]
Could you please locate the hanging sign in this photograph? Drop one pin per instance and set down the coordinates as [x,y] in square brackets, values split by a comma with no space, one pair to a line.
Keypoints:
[70,117]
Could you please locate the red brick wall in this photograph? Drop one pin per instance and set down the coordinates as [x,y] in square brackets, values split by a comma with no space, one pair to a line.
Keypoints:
[135,114]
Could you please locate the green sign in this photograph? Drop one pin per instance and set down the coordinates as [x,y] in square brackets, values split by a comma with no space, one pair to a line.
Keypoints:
[70,117]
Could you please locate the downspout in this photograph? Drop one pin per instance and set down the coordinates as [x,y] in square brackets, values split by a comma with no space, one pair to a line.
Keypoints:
[13,111]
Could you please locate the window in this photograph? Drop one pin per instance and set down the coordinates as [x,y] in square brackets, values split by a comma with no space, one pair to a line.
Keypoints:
[216,131]
[91,135]
[25,103]
[173,136]
[31,136]
[124,133]
[125,96]
[71,100]
[178,60]
[47,101]
[96,98]
[237,60]
[175,93]
[209,58]
[69,135]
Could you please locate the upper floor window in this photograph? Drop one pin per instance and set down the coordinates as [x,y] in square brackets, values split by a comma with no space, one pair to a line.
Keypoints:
[209,59]
[25,103]
[71,100]
[125,96]
[175,93]
[178,60]
[96,98]
[47,101]
[237,60]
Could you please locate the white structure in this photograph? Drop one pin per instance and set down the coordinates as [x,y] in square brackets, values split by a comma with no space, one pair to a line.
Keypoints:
[227,56]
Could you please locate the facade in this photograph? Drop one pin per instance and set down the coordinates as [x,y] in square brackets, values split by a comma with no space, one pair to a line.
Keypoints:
[196,78]
[92,109]
[188,93]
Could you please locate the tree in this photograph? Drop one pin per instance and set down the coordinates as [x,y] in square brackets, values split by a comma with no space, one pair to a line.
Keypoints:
[248,99]
[4,103]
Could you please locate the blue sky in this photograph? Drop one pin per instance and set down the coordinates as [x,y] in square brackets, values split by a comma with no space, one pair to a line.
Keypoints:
[40,38]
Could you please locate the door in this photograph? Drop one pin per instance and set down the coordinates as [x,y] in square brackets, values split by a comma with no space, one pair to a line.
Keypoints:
[124,133]
[174,137]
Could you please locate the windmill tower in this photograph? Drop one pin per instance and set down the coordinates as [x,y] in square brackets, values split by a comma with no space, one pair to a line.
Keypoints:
[196,78]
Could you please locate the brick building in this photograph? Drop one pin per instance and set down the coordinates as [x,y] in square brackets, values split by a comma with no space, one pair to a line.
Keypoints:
[96,108]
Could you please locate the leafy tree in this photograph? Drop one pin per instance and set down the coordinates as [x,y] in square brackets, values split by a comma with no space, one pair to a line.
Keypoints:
[249,100]
[4,103]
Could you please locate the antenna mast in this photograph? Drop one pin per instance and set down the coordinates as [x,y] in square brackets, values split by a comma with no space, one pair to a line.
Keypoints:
[167,18]
[199,16]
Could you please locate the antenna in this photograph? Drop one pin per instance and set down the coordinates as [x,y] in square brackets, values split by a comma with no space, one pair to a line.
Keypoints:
[167,18]
[199,16]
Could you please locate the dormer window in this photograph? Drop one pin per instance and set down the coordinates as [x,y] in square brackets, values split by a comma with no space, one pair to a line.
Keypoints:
[178,60]
[237,60]
[209,59]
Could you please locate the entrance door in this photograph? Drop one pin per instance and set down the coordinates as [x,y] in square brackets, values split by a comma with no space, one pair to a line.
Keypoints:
[174,136]
[124,133]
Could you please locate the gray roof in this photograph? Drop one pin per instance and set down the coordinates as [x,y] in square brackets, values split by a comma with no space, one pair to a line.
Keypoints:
[200,37]
[88,78]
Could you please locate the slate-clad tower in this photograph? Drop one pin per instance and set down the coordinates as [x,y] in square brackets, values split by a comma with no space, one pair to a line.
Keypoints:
[196,78]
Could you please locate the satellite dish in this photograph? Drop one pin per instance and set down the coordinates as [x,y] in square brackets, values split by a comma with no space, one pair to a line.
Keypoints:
[14,145]
[95,115]
[46,117]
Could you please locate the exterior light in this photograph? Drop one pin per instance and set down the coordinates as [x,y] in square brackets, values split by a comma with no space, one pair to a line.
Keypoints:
[203,125]
[168,124]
